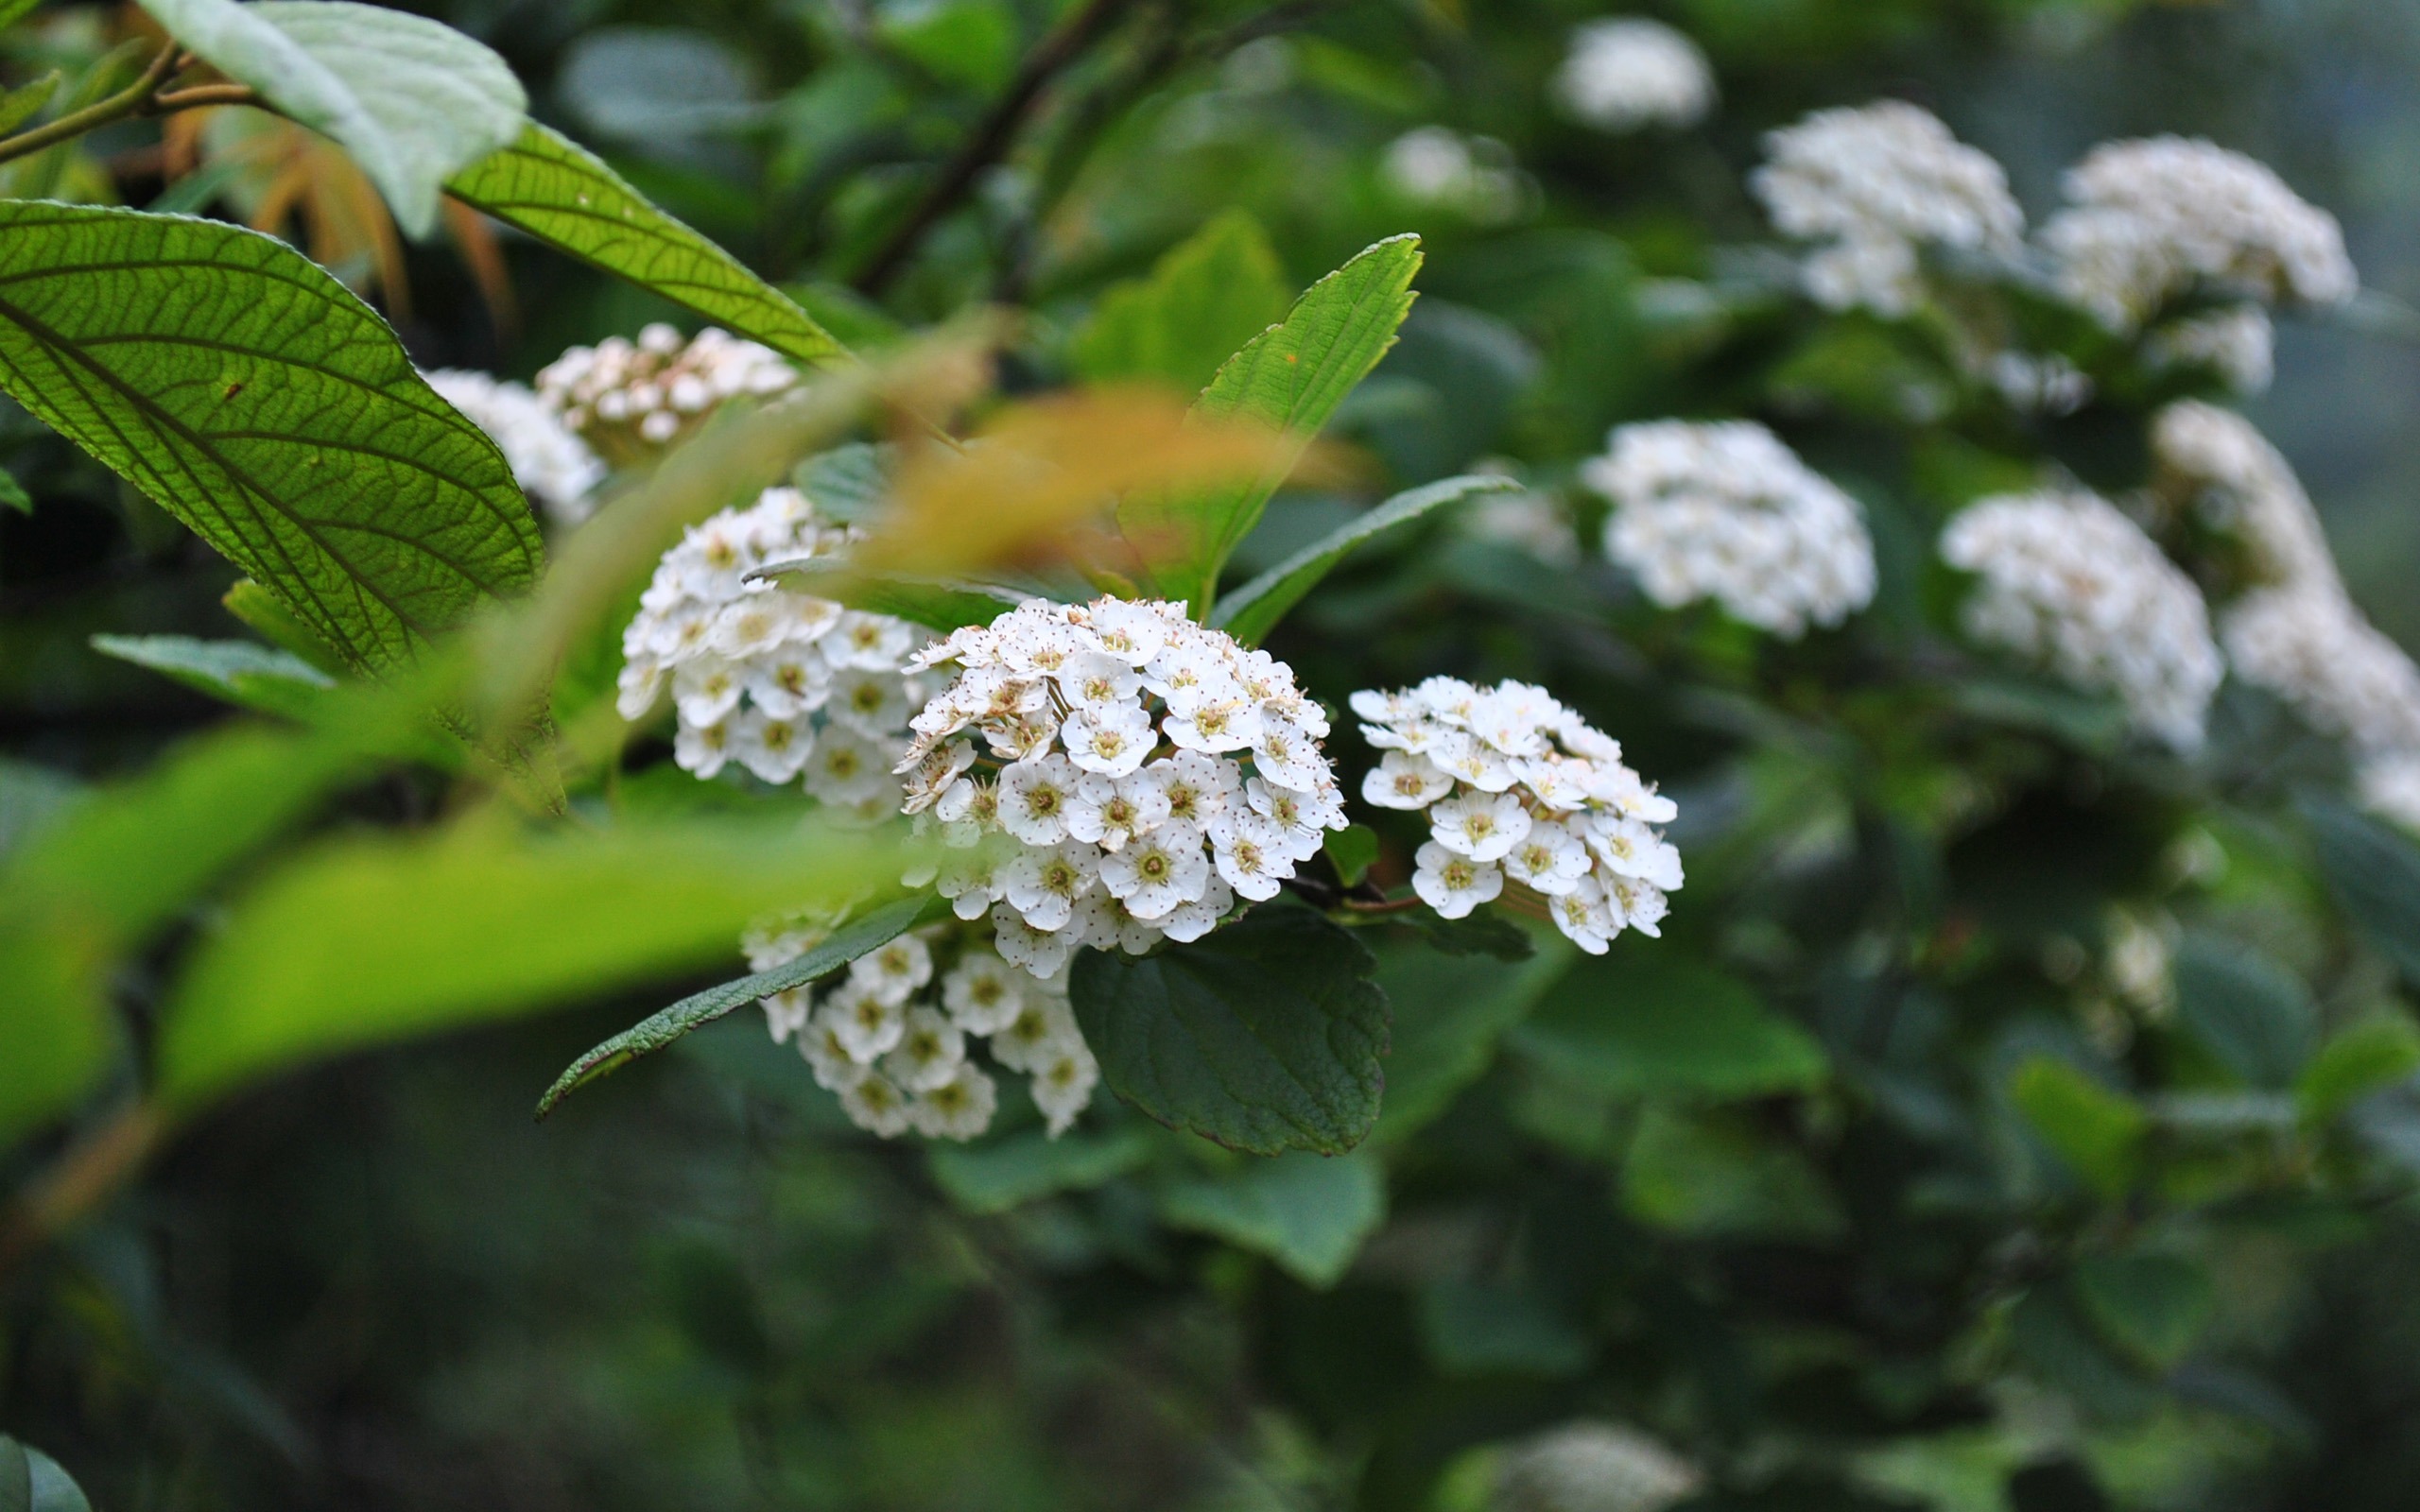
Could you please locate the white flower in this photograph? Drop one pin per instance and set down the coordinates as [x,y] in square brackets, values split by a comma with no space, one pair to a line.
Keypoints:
[2390,788]
[552,465]
[2070,582]
[786,1012]
[2159,218]
[630,400]
[863,1021]
[1452,883]
[1876,185]
[1040,1029]
[1110,832]
[2240,344]
[702,749]
[1402,781]
[1629,72]
[774,749]
[1064,1080]
[2310,647]
[827,1055]
[848,769]
[1726,512]
[1557,812]
[931,1049]
[874,1103]
[981,993]
[2241,485]
[895,970]
[958,1108]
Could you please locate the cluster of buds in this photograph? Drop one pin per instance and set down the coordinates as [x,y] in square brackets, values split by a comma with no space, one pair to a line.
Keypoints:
[1516,786]
[894,1037]
[630,400]
[1112,774]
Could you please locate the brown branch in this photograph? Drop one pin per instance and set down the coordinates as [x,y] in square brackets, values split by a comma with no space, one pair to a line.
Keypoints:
[990,142]
[100,112]
[201,94]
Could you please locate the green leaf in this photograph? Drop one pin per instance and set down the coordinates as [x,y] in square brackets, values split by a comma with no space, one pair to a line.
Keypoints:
[2357,1060]
[411,99]
[2374,873]
[872,931]
[31,796]
[247,676]
[31,1481]
[1252,610]
[19,106]
[559,193]
[1483,1328]
[13,494]
[1706,1172]
[847,484]
[1449,1013]
[2152,1307]
[1206,297]
[1291,376]
[2056,1345]
[1308,1213]
[255,399]
[2247,1010]
[2097,1131]
[1011,1172]
[1647,1020]
[1482,932]
[1264,1036]
[937,603]
[1352,851]
[266,615]
[54,1015]
[366,941]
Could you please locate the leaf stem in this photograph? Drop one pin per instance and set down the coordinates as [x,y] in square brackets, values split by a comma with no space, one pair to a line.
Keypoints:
[147,95]
[87,1175]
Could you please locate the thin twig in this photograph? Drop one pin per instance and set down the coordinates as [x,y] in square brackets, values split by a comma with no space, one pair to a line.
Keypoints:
[989,144]
[100,112]
[87,1175]
[199,96]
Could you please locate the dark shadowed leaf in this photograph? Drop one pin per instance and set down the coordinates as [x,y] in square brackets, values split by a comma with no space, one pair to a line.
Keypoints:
[1252,610]
[1307,1212]
[2376,873]
[1264,1037]
[1008,1172]
[2246,1009]
[2097,1131]
[247,676]
[1642,1020]
[255,399]
[2152,1307]
[2357,1060]
[1450,1012]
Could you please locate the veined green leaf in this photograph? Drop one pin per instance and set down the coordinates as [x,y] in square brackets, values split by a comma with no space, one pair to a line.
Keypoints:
[1292,376]
[847,484]
[250,677]
[20,105]
[367,941]
[1308,1213]
[267,616]
[871,933]
[1206,297]
[1252,610]
[255,399]
[937,603]
[412,99]
[559,193]
[1263,1037]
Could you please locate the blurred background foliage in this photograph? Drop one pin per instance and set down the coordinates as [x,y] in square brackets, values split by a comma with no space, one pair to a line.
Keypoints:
[1847,1207]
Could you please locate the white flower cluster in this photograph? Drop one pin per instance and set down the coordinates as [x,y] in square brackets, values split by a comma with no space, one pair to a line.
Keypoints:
[1726,512]
[1136,774]
[1629,72]
[892,1038]
[2161,216]
[630,398]
[1518,786]
[2390,787]
[2239,345]
[552,465]
[1435,165]
[2241,485]
[2069,581]
[2313,648]
[781,683]
[1876,185]
[1592,1465]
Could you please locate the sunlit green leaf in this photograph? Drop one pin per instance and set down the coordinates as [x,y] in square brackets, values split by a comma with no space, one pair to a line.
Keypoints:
[1206,297]
[254,397]
[2357,1060]
[13,494]
[1264,1036]
[1252,610]
[412,100]
[267,616]
[1307,1212]
[31,1481]
[31,797]
[1643,1020]
[559,193]
[54,1017]
[653,1033]
[19,106]
[249,676]
[1352,851]
[1291,376]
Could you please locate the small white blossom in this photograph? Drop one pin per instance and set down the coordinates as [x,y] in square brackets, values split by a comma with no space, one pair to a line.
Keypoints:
[2239,485]
[981,992]
[875,1103]
[2070,582]
[931,1049]
[2309,647]
[1726,512]
[630,400]
[1569,823]
[1064,1080]
[958,1108]
[866,1023]
[2390,788]
[1876,185]
[1474,176]
[552,465]
[1628,72]
[894,971]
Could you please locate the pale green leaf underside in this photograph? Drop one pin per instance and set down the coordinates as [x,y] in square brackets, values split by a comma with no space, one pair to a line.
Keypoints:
[1263,1037]
[257,400]
[1308,1213]
[651,1034]
[1291,376]
[250,677]
[411,99]
[558,192]
[1252,610]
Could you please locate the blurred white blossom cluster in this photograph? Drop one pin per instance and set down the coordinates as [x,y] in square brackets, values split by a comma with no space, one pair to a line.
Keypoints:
[1518,786]
[1876,185]
[893,1036]
[1474,176]
[2157,220]
[1593,1466]
[2069,581]
[2297,634]
[1725,512]
[1110,774]
[552,465]
[1628,72]
[782,683]
[630,398]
